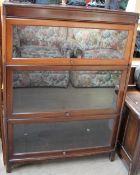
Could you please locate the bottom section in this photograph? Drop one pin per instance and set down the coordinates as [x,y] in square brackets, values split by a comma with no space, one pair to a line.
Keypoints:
[44,139]
[61,136]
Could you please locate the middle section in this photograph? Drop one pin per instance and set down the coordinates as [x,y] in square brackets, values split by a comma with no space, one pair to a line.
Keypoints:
[64,90]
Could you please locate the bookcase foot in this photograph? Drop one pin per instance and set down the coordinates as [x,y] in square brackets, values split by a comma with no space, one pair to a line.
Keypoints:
[112,156]
[8,168]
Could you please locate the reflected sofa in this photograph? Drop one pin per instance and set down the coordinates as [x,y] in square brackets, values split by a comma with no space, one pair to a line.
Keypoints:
[61,42]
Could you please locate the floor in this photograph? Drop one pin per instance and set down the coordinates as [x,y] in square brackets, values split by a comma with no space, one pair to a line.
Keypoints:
[62,99]
[97,165]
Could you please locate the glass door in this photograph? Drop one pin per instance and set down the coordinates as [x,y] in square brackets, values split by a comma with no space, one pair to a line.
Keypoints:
[62,136]
[67,90]
[61,43]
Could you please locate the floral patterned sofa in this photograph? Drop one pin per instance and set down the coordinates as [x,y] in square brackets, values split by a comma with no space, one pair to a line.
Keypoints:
[65,78]
[61,42]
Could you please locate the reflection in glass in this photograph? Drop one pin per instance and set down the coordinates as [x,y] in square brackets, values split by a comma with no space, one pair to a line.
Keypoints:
[46,91]
[63,42]
[62,135]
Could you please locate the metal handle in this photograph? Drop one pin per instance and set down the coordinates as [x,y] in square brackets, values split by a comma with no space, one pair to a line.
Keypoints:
[67,114]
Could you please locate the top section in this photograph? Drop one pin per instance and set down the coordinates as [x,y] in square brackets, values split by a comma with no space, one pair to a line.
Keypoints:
[67,35]
[66,12]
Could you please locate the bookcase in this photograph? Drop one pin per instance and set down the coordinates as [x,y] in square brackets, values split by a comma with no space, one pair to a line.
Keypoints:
[65,74]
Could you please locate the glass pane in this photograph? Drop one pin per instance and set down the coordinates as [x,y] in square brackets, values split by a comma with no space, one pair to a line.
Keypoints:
[62,135]
[64,42]
[61,91]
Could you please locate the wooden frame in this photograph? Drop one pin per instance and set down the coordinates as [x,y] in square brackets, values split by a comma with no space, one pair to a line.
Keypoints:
[62,61]
[72,13]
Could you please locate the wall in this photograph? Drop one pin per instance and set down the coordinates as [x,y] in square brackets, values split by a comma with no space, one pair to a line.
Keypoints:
[133,6]
[137,6]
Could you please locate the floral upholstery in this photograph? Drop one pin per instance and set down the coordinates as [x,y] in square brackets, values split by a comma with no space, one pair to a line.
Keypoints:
[62,42]
[95,78]
[63,78]
[33,41]
[41,79]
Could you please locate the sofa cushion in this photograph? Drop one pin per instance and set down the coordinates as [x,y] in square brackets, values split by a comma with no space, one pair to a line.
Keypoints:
[41,79]
[95,78]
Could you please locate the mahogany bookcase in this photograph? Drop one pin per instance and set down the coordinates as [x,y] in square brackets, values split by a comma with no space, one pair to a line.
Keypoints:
[65,75]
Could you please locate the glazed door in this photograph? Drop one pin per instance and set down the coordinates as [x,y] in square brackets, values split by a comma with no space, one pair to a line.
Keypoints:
[27,137]
[66,91]
[62,135]
[67,43]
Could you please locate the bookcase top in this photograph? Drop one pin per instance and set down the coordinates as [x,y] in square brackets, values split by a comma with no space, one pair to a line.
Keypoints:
[66,12]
